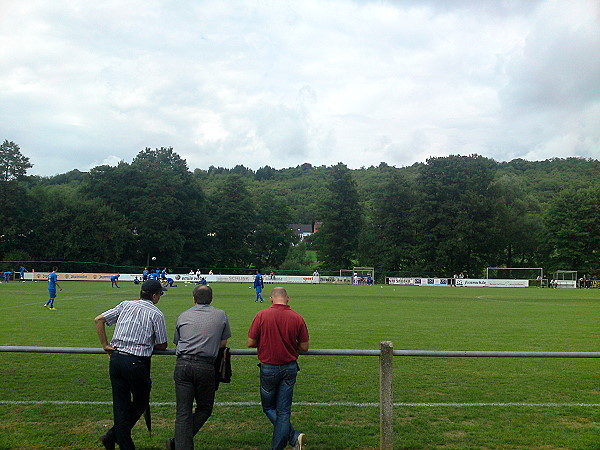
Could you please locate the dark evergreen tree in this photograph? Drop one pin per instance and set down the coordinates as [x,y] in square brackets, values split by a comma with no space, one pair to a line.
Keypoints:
[388,240]
[518,226]
[456,215]
[337,238]
[163,203]
[272,236]
[573,221]
[72,228]
[233,222]
[16,213]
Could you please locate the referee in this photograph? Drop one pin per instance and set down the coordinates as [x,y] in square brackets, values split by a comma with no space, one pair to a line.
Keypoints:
[140,329]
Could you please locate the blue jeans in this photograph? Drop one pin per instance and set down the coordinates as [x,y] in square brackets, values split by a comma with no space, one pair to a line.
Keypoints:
[276,392]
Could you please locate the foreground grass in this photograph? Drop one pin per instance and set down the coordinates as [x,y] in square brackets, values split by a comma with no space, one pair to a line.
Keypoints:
[432,392]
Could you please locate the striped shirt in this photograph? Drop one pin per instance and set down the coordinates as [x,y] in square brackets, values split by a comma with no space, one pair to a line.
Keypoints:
[140,325]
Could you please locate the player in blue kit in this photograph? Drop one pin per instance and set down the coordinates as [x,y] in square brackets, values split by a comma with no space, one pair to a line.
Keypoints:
[169,282]
[258,286]
[6,275]
[114,280]
[52,285]
[22,271]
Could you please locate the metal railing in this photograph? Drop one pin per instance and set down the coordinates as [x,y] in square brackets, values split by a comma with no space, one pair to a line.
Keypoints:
[385,354]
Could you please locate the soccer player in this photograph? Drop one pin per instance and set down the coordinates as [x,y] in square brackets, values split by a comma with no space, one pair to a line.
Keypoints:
[6,275]
[52,285]
[22,271]
[169,282]
[114,280]
[145,274]
[258,286]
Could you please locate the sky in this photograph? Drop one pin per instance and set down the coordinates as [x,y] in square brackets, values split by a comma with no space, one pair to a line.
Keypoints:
[282,83]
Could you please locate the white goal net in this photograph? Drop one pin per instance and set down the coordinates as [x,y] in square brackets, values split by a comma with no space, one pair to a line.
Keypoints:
[359,275]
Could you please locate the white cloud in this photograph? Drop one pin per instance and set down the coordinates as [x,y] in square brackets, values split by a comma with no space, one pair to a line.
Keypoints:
[283,83]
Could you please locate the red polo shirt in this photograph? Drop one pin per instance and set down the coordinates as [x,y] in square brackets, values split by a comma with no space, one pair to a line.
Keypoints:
[278,331]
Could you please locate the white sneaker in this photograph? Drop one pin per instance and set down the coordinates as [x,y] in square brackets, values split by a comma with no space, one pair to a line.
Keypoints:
[300,442]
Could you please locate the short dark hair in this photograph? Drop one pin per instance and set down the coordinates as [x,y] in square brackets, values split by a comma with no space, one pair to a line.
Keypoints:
[202,295]
[149,288]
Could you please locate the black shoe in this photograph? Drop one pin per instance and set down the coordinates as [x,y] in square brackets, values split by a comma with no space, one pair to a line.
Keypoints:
[108,442]
[170,443]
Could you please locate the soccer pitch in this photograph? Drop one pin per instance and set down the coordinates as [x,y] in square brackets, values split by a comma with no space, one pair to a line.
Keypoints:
[64,401]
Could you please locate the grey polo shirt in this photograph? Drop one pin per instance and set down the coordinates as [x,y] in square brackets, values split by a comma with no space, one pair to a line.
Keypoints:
[200,330]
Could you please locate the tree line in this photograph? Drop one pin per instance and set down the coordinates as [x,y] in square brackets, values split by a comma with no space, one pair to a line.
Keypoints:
[448,215]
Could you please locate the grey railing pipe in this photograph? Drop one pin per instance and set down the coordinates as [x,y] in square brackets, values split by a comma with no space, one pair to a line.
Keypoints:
[385,353]
[335,352]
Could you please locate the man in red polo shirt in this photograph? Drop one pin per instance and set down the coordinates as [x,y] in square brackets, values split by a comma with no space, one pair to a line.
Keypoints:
[279,334]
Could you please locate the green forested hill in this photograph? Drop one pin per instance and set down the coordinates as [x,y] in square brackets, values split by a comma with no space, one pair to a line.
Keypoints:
[303,186]
[447,215]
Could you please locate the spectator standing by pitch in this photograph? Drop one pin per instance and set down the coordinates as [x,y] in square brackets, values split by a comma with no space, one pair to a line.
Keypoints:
[279,333]
[52,285]
[199,333]
[258,286]
[140,329]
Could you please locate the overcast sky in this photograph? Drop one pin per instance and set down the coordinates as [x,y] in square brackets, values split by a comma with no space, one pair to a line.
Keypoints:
[281,83]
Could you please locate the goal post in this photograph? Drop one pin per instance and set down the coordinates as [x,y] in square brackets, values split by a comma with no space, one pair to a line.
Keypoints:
[565,279]
[535,274]
[360,272]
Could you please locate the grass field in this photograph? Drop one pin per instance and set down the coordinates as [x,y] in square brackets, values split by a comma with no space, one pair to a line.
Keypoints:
[64,401]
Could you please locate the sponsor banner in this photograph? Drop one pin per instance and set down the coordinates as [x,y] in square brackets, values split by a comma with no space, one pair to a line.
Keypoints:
[334,280]
[508,283]
[405,281]
[188,278]
[461,282]
[475,282]
[470,282]
[401,281]
[67,276]
[570,284]
[183,278]
[431,281]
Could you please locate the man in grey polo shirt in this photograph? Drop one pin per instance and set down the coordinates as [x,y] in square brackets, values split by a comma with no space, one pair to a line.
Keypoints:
[199,333]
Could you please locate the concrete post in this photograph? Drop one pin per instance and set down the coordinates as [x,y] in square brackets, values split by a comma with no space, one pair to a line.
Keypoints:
[386,397]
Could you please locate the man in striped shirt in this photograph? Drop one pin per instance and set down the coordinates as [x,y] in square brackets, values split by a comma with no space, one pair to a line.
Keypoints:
[140,329]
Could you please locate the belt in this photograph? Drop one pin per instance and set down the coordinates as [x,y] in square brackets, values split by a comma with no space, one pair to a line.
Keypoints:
[194,357]
[121,352]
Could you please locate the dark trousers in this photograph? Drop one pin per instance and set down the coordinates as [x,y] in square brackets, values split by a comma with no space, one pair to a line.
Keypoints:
[194,380]
[131,385]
